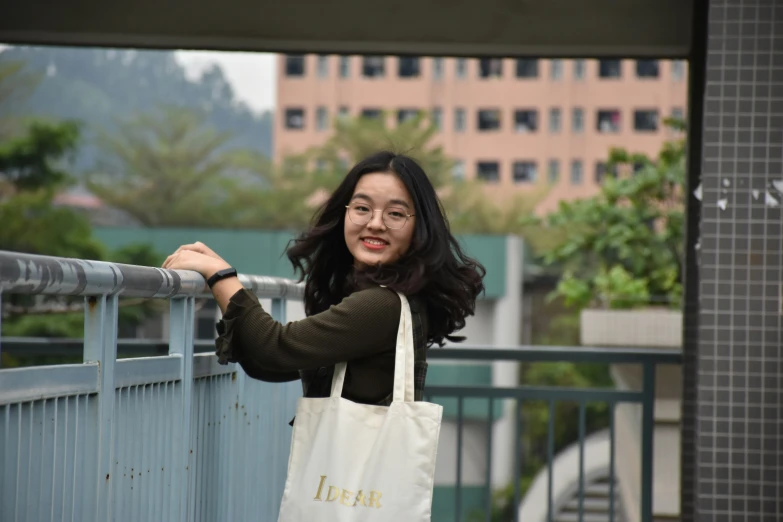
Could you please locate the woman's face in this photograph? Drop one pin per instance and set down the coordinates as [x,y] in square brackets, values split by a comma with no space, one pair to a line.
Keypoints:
[380,204]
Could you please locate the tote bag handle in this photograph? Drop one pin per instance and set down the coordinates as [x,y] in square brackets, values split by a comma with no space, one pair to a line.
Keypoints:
[403,360]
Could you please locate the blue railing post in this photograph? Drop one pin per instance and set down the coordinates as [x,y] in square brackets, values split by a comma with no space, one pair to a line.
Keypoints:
[100,345]
[648,426]
[182,316]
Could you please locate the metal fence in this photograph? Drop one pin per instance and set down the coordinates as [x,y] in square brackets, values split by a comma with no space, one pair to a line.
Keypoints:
[179,437]
[175,437]
[648,359]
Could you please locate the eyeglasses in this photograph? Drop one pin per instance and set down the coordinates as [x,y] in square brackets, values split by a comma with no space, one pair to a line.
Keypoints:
[392,217]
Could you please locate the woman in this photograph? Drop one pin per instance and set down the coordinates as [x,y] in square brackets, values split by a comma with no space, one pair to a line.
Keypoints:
[382,231]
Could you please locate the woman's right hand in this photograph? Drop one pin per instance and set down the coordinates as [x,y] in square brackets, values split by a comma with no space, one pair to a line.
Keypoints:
[201,248]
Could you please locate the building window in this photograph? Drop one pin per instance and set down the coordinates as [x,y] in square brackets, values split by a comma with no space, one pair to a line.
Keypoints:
[678,70]
[294,119]
[345,66]
[554,120]
[578,120]
[294,65]
[602,171]
[488,171]
[608,121]
[553,171]
[321,119]
[373,66]
[579,69]
[609,68]
[437,118]
[409,66]
[372,114]
[556,69]
[488,119]
[490,68]
[647,68]
[437,68]
[461,68]
[525,121]
[323,66]
[458,170]
[343,112]
[524,172]
[459,120]
[404,115]
[645,120]
[527,68]
[576,172]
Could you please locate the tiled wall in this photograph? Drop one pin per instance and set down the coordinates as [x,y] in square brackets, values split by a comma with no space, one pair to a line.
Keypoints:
[739,430]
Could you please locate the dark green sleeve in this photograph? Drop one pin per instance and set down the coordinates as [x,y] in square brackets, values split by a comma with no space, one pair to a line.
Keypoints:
[363,324]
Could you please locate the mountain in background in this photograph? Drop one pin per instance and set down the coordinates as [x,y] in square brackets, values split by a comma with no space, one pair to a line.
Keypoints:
[100,86]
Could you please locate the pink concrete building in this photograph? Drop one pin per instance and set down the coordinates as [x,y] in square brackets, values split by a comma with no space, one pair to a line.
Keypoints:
[511,122]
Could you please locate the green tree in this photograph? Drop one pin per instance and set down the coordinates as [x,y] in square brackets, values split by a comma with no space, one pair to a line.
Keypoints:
[34,168]
[304,180]
[168,168]
[624,247]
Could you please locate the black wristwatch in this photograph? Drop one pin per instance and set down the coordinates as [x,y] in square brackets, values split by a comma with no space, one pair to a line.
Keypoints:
[220,275]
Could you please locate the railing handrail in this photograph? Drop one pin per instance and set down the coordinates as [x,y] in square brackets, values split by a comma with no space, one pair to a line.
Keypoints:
[47,275]
[540,353]
[592,354]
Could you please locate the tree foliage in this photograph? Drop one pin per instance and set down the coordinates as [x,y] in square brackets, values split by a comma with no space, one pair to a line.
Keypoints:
[624,247]
[167,168]
[34,168]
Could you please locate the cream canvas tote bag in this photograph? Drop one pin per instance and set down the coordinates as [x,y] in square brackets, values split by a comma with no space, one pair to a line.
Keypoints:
[353,462]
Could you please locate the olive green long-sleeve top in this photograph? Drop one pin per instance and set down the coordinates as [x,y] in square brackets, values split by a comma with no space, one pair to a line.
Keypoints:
[361,330]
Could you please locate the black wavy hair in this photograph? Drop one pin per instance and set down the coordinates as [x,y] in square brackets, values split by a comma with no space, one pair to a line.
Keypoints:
[435,269]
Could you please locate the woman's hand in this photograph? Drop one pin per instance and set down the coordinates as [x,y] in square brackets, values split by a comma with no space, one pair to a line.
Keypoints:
[197,257]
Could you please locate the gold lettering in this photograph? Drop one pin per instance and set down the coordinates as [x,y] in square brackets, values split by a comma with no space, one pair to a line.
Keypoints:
[374,499]
[329,494]
[346,497]
[320,487]
[360,499]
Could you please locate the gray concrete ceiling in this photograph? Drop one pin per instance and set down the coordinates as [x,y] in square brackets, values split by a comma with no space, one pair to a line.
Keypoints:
[586,28]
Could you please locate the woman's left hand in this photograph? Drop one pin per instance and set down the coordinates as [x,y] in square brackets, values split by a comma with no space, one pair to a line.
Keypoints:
[187,259]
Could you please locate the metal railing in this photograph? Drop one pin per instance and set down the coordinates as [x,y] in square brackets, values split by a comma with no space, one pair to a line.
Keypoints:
[176,436]
[648,359]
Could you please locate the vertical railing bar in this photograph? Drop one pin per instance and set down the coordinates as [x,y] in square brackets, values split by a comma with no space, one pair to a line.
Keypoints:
[181,342]
[6,453]
[458,492]
[581,498]
[29,456]
[490,426]
[121,459]
[137,452]
[54,458]
[517,456]
[1,326]
[100,344]
[156,509]
[278,310]
[612,406]
[19,440]
[42,464]
[648,421]
[550,450]
[75,451]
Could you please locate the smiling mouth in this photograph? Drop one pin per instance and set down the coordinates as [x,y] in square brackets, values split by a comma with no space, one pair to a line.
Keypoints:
[374,244]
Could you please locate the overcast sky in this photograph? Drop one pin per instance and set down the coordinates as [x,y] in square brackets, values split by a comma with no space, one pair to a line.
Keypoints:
[251,74]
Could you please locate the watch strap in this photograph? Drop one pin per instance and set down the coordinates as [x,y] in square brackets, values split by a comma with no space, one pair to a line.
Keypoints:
[220,275]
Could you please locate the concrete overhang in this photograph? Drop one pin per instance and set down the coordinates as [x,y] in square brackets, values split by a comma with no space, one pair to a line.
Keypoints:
[555,28]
